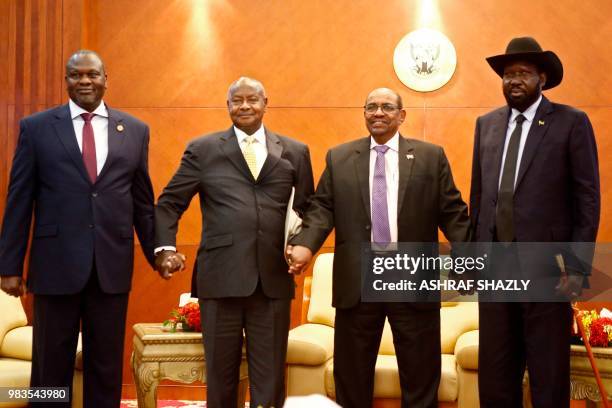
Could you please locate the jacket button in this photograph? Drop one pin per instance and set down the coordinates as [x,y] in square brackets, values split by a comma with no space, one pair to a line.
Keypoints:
[367,227]
[94,195]
[90,225]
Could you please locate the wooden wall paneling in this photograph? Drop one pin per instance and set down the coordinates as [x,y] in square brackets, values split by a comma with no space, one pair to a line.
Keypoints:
[5,11]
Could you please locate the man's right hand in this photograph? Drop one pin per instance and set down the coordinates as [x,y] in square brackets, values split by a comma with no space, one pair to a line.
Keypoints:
[13,285]
[299,257]
[167,262]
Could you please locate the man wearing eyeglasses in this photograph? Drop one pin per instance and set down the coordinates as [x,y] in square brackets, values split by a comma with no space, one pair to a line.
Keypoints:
[382,188]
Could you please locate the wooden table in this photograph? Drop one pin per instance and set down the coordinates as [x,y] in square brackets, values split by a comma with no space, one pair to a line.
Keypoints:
[582,381]
[159,354]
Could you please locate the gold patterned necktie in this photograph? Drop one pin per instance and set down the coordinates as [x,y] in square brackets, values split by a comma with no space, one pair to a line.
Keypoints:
[249,155]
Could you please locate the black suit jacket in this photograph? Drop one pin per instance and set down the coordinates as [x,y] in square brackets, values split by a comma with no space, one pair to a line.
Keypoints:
[242,218]
[557,196]
[77,223]
[427,199]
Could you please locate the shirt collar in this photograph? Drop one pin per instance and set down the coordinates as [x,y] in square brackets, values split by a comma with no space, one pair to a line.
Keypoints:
[76,110]
[529,113]
[393,143]
[260,135]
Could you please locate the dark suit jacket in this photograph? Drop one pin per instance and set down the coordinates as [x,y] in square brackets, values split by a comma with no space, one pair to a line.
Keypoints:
[556,196]
[242,218]
[427,199]
[77,223]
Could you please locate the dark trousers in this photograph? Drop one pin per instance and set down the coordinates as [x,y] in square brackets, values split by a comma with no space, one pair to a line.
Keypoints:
[515,335]
[416,337]
[56,330]
[265,324]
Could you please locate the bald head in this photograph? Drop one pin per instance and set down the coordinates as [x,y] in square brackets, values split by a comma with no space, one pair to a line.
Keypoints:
[85,79]
[85,55]
[248,82]
[386,91]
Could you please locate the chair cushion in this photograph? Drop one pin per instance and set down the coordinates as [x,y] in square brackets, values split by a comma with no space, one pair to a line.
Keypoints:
[14,373]
[310,344]
[18,343]
[456,320]
[386,379]
[12,314]
[320,309]
[466,350]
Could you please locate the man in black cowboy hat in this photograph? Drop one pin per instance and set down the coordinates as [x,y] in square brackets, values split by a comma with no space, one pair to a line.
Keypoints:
[535,178]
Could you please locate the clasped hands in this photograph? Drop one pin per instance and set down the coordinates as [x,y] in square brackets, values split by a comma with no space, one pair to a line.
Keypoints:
[298,258]
[167,262]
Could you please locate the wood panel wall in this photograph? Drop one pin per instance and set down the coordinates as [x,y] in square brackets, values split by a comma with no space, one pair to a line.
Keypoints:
[170,62]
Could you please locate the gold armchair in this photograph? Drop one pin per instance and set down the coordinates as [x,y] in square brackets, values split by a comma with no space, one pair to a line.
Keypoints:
[311,347]
[16,351]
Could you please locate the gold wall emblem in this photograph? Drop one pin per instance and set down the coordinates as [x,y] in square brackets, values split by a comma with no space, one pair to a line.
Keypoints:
[424,60]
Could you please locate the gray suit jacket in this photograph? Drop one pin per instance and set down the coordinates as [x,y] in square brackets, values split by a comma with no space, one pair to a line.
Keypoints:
[427,199]
[242,218]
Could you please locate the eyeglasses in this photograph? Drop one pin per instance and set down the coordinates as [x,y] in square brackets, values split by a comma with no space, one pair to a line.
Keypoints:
[372,108]
[508,76]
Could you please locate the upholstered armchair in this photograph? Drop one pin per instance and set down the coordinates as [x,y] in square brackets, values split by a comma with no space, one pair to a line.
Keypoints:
[16,351]
[311,347]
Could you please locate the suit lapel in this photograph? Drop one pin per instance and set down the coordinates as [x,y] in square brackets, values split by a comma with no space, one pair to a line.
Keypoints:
[362,169]
[229,146]
[534,137]
[115,139]
[65,132]
[275,150]
[405,162]
[497,140]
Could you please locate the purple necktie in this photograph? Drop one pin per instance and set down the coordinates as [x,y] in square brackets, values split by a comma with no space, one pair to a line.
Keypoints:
[89,147]
[381,232]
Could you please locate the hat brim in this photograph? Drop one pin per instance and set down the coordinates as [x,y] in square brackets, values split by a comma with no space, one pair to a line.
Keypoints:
[546,60]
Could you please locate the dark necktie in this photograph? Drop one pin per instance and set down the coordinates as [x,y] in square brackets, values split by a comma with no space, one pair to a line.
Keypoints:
[381,232]
[504,220]
[89,147]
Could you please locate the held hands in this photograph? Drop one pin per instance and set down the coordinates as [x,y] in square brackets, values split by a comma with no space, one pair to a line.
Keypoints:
[167,262]
[570,286]
[298,257]
[13,285]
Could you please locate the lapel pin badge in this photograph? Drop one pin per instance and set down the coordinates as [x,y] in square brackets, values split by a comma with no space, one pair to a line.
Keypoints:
[410,156]
[120,128]
[541,122]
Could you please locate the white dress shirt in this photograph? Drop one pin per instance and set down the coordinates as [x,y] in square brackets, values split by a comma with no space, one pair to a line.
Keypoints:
[529,114]
[99,123]
[392,178]
[259,145]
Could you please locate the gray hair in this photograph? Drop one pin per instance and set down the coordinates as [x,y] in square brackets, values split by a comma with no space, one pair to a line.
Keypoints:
[400,103]
[246,81]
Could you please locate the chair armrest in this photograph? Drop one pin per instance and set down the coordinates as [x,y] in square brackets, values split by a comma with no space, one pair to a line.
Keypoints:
[466,350]
[310,344]
[17,343]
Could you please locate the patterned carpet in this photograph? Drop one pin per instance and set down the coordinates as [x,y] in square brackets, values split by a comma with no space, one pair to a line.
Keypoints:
[167,404]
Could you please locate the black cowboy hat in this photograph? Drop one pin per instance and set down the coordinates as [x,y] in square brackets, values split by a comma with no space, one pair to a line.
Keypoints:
[528,49]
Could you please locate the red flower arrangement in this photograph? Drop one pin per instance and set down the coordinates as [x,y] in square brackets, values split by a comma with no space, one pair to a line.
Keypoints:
[598,327]
[187,316]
